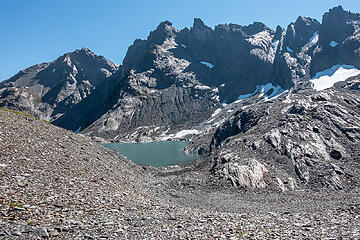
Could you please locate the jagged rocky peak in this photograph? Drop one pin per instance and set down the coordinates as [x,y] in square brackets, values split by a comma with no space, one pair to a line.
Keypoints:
[200,30]
[279,33]
[337,26]
[300,33]
[139,56]
[339,41]
[257,27]
[163,31]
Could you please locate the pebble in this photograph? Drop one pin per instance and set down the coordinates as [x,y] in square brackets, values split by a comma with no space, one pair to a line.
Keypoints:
[16,233]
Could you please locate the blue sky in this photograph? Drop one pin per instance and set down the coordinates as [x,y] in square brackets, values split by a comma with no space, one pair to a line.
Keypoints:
[35,31]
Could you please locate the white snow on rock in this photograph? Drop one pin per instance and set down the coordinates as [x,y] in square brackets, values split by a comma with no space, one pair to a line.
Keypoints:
[314,38]
[178,135]
[333,44]
[184,133]
[209,65]
[263,89]
[216,112]
[183,45]
[289,49]
[266,88]
[329,77]
[53,70]
[3,165]
[202,87]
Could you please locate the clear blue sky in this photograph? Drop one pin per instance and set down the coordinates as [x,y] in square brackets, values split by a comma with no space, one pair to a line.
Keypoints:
[35,31]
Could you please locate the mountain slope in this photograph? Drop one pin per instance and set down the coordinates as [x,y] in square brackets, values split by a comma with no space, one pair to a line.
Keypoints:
[52,90]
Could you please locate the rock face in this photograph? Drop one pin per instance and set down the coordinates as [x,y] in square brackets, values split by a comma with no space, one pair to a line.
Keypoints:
[300,140]
[339,40]
[184,75]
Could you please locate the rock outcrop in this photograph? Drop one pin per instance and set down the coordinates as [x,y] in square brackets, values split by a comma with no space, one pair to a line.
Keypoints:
[301,140]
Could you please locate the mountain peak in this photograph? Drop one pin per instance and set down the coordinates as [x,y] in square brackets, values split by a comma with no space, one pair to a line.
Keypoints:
[164,24]
[163,31]
[339,14]
[85,49]
[337,9]
[198,23]
[305,21]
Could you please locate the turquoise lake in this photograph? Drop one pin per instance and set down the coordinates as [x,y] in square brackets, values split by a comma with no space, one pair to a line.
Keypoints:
[155,154]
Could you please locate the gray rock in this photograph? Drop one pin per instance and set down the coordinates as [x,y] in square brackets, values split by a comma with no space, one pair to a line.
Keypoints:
[43,232]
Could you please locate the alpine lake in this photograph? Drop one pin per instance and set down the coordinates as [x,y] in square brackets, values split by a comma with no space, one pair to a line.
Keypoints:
[155,154]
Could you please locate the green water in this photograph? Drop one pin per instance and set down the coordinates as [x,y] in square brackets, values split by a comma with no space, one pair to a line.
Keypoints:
[155,154]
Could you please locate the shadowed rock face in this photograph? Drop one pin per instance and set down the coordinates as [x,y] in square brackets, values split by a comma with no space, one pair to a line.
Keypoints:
[339,40]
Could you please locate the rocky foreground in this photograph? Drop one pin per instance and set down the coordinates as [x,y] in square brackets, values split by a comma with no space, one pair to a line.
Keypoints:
[58,185]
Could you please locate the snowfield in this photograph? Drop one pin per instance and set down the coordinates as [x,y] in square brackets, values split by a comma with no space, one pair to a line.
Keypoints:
[329,77]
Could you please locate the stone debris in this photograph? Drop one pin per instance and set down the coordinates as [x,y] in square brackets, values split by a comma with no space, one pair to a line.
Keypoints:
[76,189]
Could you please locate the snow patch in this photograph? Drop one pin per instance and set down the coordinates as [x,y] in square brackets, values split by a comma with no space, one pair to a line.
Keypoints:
[54,70]
[202,87]
[183,45]
[263,89]
[184,133]
[217,111]
[289,49]
[209,65]
[333,44]
[314,38]
[222,85]
[327,78]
